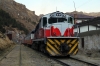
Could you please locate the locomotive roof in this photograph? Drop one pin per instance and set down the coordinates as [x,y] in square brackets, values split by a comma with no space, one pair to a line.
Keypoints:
[48,15]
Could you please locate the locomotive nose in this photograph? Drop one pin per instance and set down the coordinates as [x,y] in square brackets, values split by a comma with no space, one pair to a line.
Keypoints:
[64,48]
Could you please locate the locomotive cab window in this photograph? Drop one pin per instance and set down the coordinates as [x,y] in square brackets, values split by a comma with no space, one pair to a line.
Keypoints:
[44,21]
[70,20]
[56,20]
[62,19]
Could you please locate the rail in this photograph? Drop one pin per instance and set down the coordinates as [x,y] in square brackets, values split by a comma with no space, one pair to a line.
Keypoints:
[84,61]
[62,63]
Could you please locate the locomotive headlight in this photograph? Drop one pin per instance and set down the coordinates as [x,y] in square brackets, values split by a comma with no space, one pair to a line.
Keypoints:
[58,14]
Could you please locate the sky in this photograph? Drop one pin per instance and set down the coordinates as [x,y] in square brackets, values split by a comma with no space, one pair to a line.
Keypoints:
[49,6]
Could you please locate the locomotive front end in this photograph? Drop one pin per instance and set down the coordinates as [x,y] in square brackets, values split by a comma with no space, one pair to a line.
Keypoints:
[61,40]
[62,46]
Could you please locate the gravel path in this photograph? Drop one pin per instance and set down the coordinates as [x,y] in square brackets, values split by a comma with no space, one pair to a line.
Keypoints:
[28,57]
[32,58]
[12,59]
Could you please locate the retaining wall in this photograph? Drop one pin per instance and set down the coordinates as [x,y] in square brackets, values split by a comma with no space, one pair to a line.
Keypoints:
[91,42]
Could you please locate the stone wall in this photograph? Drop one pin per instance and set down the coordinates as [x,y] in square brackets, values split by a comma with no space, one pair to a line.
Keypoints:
[91,44]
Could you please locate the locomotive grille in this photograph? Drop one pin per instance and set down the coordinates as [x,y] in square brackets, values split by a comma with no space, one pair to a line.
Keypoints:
[62,46]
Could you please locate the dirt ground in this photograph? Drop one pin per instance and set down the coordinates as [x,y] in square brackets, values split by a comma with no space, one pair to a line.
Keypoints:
[12,58]
[30,57]
[92,58]
[6,51]
[27,57]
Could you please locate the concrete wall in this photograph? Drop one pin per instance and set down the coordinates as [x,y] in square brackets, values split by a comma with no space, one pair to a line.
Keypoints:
[91,43]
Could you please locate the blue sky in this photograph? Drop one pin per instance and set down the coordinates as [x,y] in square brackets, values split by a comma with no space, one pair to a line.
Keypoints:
[48,6]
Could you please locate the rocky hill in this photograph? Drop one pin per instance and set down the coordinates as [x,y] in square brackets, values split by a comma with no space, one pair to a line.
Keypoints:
[93,14]
[20,13]
[26,17]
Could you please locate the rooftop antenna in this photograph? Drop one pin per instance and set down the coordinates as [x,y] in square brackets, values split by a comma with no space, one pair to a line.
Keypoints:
[56,8]
[74,5]
[75,14]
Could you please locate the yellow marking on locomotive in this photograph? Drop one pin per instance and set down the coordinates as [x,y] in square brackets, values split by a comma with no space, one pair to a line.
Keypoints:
[56,47]
[62,41]
[75,51]
[73,48]
[70,45]
[53,48]
[51,41]
[50,51]
[57,41]
[68,41]
[73,42]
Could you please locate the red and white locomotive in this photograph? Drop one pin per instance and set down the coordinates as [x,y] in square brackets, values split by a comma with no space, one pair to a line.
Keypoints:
[54,34]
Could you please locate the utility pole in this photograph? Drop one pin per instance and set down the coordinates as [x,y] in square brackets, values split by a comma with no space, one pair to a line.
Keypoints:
[74,5]
[75,14]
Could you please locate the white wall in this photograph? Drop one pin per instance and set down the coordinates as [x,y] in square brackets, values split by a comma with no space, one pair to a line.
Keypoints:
[85,28]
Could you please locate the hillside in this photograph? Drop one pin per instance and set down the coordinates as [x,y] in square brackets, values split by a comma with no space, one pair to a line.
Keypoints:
[26,17]
[96,14]
[20,13]
[93,14]
[9,23]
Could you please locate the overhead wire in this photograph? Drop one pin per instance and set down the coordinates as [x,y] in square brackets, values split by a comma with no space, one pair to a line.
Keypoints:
[84,3]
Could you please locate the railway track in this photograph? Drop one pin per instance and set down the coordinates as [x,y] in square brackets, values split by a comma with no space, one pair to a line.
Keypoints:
[60,62]
[72,62]
[91,64]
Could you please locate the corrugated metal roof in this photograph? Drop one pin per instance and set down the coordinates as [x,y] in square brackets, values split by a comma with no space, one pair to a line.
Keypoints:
[95,22]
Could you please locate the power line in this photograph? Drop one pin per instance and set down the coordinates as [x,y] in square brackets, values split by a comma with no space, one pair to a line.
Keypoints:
[85,3]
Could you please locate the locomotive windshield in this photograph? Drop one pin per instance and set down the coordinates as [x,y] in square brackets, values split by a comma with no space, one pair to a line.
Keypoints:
[56,20]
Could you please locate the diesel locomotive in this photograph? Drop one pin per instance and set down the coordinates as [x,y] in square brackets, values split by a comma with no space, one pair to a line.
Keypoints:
[54,35]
